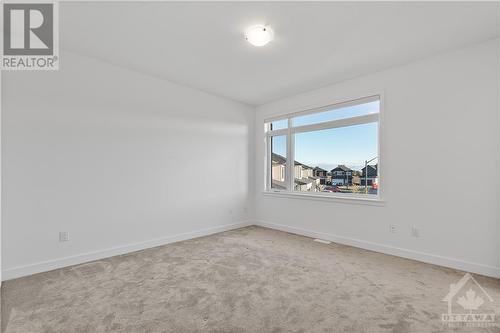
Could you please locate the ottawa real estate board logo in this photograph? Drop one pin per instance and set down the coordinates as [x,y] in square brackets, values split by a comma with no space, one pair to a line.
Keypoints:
[469,305]
[30,39]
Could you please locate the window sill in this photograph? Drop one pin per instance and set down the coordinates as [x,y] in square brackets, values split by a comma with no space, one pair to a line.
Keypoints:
[328,197]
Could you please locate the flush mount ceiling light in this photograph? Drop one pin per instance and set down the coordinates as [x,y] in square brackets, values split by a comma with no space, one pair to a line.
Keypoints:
[259,35]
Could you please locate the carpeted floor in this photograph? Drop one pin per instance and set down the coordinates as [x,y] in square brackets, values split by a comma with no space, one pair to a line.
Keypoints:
[246,280]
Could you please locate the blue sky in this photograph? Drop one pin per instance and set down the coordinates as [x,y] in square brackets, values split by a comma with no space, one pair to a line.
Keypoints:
[327,148]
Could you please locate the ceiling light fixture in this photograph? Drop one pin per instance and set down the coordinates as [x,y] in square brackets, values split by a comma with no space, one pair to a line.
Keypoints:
[259,35]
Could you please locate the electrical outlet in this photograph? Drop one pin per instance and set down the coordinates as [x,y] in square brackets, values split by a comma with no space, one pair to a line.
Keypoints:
[393,228]
[63,236]
[415,232]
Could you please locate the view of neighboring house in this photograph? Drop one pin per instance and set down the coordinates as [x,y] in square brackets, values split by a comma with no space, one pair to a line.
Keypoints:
[371,176]
[304,179]
[342,175]
[278,172]
[319,172]
[322,174]
[315,179]
[302,170]
[303,174]
[304,184]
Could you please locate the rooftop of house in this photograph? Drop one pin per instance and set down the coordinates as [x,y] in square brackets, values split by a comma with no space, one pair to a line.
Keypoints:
[374,167]
[277,158]
[303,181]
[341,167]
[303,165]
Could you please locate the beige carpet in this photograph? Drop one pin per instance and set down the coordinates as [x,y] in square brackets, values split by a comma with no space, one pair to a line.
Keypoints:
[246,280]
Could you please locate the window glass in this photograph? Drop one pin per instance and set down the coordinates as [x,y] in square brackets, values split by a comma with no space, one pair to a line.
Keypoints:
[333,160]
[278,162]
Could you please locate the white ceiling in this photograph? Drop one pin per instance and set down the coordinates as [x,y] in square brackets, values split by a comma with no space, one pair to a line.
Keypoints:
[201,44]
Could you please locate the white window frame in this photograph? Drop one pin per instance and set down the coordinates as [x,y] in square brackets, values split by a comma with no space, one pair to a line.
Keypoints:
[290,132]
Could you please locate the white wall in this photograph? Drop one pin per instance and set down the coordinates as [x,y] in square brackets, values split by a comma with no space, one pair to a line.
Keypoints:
[0,179]
[440,121]
[124,161]
[120,160]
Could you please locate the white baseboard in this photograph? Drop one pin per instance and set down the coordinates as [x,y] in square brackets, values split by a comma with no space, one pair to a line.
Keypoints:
[400,252]
[45,266]
[49,265]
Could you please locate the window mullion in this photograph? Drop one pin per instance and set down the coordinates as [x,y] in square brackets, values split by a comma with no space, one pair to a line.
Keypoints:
[290,159]
[268,171]
[279,132]
[359,120]
[329,107]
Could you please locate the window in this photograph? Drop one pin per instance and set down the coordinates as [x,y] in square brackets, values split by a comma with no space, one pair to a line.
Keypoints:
[330,151]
